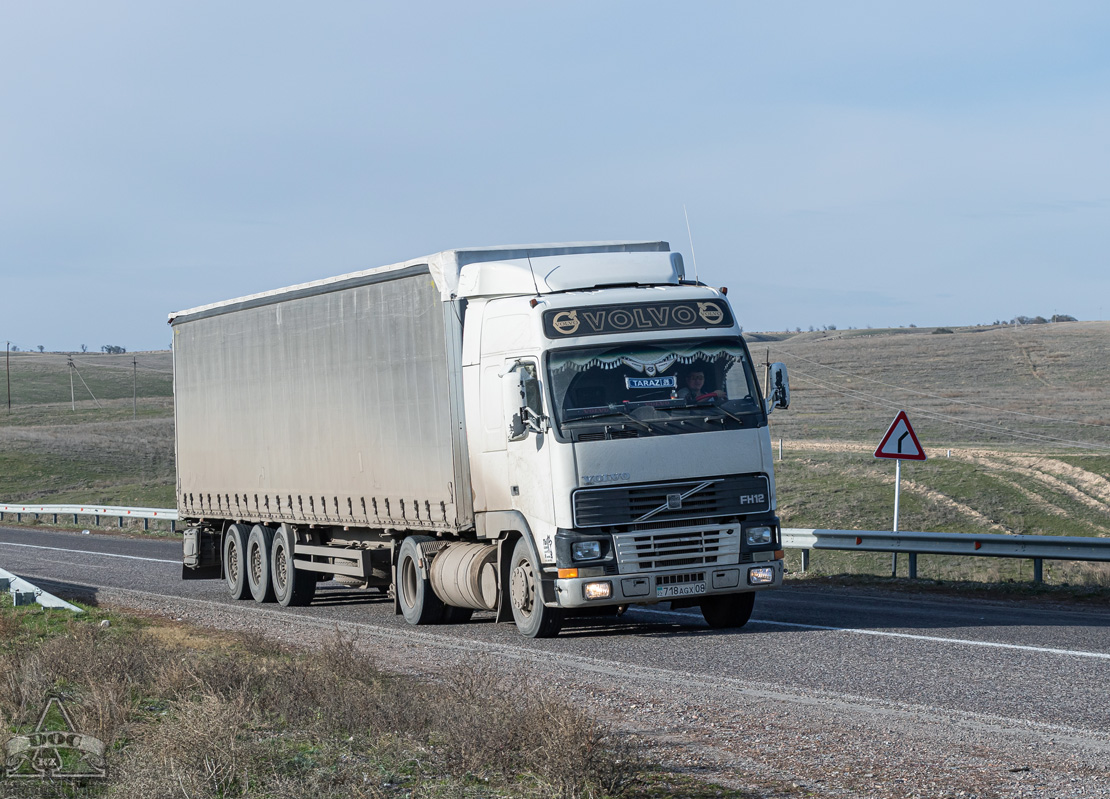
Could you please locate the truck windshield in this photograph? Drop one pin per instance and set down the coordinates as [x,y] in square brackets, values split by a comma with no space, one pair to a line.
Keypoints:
[662,388]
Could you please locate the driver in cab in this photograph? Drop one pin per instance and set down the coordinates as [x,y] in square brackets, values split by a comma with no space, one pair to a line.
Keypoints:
[694,390]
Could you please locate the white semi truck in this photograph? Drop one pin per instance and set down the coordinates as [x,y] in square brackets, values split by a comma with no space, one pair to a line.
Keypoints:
[510,429]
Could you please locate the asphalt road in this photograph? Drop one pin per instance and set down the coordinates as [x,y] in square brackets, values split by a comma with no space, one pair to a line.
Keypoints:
[828,691]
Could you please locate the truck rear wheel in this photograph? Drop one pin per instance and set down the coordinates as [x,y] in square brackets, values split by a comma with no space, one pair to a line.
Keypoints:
[419,603]
[259,544]
[293,587]
[235,561]
[730,610]
[532,617]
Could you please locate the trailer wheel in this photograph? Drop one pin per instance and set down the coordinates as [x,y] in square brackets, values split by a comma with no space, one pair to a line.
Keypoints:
[419,603]
[259,544]
[293,587]
[730,610]
[235,561]
[532,617]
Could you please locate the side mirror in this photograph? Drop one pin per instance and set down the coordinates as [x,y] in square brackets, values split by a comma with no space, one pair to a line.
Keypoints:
[521,401]
[779,388]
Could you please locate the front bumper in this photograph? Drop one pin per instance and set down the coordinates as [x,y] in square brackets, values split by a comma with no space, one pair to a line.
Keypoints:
[648,588]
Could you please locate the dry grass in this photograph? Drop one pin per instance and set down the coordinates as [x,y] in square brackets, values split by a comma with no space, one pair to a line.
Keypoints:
[1004,387]
[246,719]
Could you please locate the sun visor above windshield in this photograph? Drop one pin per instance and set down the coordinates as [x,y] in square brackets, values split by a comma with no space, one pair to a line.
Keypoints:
[581,271]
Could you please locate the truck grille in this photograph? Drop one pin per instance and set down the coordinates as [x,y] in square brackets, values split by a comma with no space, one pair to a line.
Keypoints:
[669,502]
[676,548]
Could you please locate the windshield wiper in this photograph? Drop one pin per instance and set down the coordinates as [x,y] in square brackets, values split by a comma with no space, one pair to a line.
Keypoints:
[618,410]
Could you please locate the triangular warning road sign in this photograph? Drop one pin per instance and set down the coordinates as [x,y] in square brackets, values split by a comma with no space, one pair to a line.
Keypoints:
[900,441]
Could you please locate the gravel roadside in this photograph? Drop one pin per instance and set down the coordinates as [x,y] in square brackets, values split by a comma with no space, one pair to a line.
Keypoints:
[748,734]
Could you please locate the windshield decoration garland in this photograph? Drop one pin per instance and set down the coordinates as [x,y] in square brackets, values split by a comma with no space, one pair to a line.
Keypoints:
[649,362]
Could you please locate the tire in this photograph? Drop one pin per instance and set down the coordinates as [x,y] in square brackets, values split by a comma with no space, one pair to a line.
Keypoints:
[235,561]
[419,603]
[293,587]
[728,611]
[533,619]
[259,544]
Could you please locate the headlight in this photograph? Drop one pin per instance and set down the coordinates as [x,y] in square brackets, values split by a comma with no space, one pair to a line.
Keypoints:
[759,535]
[761,575]
[597,590]
[585,550]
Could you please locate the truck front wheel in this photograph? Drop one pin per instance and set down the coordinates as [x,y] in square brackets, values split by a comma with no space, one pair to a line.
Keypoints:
[532,617]
[419,603]
[729,610]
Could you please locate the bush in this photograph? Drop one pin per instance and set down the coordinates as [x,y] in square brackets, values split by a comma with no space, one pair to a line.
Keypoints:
[943,330]
[242,717]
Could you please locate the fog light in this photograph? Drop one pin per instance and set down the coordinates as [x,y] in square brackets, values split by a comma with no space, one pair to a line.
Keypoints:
[761,575]
[759,535]
[585,550]
[597,590]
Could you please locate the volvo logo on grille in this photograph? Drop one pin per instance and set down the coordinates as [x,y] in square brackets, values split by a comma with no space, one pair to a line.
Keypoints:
[674,501]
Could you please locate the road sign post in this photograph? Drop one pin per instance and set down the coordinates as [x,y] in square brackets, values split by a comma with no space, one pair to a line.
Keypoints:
[899,444]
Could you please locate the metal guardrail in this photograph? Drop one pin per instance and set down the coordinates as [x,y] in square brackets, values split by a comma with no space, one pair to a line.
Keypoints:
[1038,548]
[96,511]
[25,593]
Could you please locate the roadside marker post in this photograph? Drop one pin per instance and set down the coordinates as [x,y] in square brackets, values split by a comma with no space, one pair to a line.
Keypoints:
[900,444]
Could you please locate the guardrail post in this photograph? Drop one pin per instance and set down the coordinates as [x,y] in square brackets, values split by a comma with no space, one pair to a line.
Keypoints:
[173,526]
[146,524]
[96,521]
[1038,570]
[913,565]
[55,518]
[120,525]
[18,518]
[805,560]
[75,518]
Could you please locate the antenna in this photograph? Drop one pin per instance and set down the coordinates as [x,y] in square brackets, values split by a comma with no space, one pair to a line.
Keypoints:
[693,257]
[533,271]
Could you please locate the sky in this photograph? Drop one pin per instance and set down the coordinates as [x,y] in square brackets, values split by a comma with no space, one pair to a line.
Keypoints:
[851,163]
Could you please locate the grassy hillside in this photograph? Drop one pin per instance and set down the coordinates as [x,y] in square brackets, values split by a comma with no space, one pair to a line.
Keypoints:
[1015,420]
[110,449]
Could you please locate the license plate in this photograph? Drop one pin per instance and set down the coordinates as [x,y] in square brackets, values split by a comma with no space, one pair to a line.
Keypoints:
[686,589]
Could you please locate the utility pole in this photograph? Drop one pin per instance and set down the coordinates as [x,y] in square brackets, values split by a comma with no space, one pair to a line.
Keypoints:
[767,373]
[134,387]
[72,400]
[8,372]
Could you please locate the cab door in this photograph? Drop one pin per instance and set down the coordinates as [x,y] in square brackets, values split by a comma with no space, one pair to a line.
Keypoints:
[528,450]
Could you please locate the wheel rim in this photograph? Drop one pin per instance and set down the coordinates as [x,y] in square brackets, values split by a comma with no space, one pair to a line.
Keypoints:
[281,568]
[256,564]
[522,586]
[232,564]
[408,581]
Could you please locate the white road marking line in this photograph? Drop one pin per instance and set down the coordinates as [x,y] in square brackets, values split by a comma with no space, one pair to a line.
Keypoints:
[87,552]
[1079,653]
